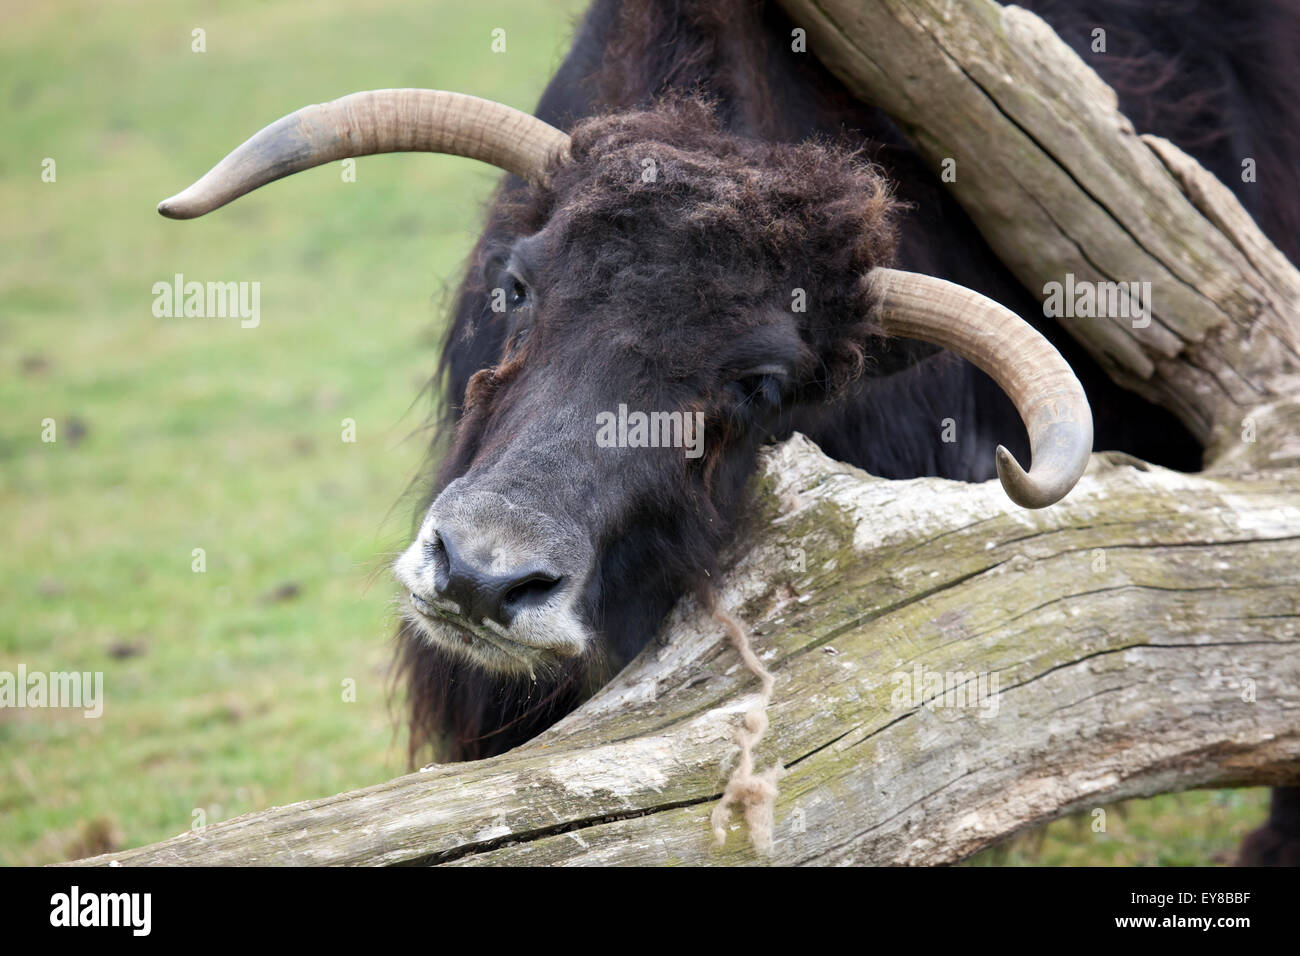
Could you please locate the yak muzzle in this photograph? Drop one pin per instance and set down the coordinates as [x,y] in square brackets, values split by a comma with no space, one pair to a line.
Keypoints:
[497,582]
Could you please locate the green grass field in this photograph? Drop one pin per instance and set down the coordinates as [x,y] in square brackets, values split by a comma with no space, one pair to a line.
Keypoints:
[226,688]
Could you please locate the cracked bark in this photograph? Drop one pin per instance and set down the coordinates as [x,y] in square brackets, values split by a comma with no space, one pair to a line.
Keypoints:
[1138,638]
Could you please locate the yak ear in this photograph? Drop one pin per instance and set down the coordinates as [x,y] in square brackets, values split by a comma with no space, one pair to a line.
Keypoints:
[837,359]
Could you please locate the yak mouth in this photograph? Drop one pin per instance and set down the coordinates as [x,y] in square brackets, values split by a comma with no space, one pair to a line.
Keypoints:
[487,644]
[446,613]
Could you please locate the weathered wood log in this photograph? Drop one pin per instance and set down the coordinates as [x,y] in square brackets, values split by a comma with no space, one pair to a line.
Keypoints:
[1138,638]
[1058,182]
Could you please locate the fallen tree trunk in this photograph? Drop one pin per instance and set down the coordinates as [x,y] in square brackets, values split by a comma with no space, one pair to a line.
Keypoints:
[1139,638]
[1136,639]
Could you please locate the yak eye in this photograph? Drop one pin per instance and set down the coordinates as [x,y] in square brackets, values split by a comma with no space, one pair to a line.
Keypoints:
[518,293]
[755,391]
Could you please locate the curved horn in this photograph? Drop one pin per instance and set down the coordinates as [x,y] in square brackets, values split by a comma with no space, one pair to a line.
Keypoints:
[1045,392]
[377,121]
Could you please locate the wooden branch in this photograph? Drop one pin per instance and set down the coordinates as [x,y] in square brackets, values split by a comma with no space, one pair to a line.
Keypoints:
[1058,182]
[1139,638]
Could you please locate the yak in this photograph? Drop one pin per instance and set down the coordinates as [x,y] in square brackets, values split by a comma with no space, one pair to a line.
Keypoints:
[706,243]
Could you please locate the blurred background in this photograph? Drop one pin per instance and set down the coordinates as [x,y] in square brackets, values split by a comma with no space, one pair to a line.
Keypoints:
[261,679]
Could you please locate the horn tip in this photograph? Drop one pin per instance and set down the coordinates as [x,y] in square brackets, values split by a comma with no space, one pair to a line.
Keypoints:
[174,208]
[1019,486]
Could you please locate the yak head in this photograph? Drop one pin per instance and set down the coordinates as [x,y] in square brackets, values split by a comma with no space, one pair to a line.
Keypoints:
[651,313]
[657,299]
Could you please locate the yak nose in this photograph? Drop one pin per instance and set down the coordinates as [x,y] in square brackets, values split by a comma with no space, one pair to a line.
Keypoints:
[485,591]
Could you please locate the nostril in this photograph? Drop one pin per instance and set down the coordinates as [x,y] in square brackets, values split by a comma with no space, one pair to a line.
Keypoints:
[533,590]
[466,576]
[435,552]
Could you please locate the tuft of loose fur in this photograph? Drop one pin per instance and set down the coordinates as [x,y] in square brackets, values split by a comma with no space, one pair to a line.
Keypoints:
[754,794]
